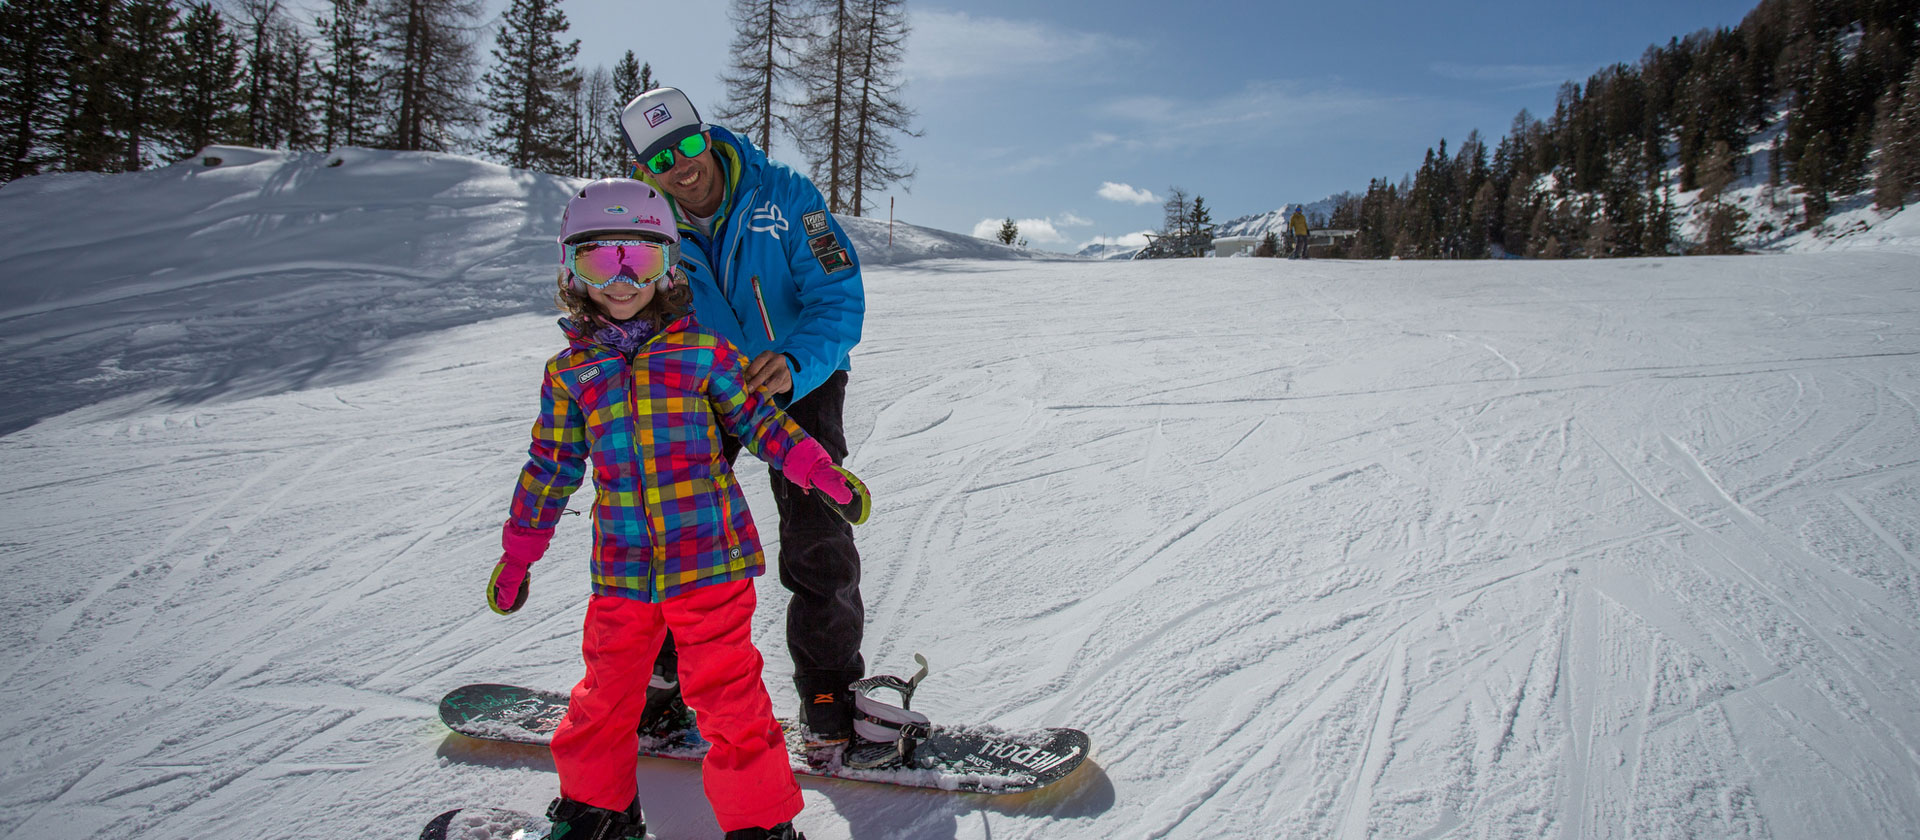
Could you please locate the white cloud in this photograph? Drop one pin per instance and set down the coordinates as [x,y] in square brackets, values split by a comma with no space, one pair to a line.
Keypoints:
[1126,194]
[956,45]
[1131,240]
[1072,219]
[1035,231]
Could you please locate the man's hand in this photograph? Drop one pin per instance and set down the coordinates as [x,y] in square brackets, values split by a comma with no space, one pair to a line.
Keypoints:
[769,371]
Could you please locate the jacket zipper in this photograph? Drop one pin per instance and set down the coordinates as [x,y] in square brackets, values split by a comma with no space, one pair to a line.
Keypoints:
[658,551]
[726,508]
[765,320]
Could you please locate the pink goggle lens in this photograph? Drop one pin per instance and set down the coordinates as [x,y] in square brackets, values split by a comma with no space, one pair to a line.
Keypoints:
[602,263]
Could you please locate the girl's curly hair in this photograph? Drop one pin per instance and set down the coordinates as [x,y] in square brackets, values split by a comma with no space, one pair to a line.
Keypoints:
[587,316]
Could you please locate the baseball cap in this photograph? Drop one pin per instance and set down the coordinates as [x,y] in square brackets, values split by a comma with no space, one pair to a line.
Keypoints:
[657,119]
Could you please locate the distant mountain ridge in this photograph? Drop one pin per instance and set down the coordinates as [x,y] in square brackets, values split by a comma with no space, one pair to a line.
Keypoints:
[1259,224]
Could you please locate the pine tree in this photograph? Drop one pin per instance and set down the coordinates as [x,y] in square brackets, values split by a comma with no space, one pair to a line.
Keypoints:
[529,89]
[292,94]
[1008,232]
[258,20]
[850,110]
[823,116]
[1199,216]
[879,113]
[89,103]
[1897,133]
[427,54]
[144,66]
[349,88]
[630,79]
[1269,246]
[208,95]
[767,38]
[32,54]
[1812,173]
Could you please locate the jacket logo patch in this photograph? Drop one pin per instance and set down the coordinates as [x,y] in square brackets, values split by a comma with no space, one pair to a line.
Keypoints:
[836,261]
[832,255]
[589,375]
[767,219]
[815,222]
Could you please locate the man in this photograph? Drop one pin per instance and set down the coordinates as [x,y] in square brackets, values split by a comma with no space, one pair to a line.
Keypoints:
[1299,225]
[773,272]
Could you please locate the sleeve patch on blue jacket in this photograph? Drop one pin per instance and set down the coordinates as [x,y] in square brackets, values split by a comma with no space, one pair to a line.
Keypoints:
[832,255]
[816,222]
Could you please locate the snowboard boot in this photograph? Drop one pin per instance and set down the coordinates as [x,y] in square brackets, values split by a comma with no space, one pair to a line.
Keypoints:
[885,735]
[826,709]
[665,713]
[783,831]
[580,821]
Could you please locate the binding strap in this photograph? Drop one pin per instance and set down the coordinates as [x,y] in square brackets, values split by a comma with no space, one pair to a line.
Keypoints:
[880,723]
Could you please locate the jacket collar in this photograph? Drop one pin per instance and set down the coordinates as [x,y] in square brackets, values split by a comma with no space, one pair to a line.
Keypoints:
[582,340]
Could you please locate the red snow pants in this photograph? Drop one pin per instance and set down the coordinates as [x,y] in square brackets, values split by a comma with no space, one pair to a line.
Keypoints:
[746,775]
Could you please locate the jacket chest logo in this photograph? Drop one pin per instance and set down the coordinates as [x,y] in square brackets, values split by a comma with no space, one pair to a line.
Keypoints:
[589,375]
[767,219]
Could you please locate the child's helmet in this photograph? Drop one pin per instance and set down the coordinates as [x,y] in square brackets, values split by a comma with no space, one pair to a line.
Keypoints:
[619,205]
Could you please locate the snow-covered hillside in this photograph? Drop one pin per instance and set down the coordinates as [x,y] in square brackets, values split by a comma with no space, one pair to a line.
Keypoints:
[1575,549]
[273,269]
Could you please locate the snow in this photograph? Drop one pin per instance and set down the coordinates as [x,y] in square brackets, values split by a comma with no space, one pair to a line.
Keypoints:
[1310,549]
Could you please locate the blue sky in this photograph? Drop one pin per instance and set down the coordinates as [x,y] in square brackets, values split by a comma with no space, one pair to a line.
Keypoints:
[1075,117]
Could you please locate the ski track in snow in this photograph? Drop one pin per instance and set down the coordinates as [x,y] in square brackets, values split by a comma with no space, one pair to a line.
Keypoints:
[1354,550]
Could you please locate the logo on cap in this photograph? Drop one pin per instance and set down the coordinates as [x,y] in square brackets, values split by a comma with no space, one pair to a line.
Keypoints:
[657,115]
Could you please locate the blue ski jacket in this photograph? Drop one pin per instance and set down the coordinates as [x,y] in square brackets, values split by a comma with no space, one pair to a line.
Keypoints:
[778,273]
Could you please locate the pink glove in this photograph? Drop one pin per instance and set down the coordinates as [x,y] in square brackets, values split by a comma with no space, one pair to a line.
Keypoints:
[507,590]
[809,466]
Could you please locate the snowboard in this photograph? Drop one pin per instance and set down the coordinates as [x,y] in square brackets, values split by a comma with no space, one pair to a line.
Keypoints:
[484,824]
[969,759]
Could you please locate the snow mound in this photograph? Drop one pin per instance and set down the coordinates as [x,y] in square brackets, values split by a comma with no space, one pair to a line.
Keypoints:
[907,243]
[284,269]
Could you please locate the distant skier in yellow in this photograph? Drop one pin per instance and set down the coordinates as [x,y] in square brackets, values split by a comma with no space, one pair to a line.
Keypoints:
[1299,225]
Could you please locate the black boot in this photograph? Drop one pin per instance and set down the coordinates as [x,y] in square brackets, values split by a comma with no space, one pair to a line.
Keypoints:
[826,707]
[580,821]
[783,831]
[665,713]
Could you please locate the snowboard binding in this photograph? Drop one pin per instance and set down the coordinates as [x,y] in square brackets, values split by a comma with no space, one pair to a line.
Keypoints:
[885,735]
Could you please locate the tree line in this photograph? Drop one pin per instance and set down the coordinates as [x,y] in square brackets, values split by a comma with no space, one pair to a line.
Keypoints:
[1835,82]
[123,85]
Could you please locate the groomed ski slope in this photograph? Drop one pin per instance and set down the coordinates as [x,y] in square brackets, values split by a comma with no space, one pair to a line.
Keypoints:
[1594,549]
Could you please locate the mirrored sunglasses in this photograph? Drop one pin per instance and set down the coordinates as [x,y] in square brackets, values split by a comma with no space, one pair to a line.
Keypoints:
[690,146]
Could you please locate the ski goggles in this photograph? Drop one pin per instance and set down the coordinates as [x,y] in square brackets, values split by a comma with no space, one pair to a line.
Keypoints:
[690,146]
[604,262]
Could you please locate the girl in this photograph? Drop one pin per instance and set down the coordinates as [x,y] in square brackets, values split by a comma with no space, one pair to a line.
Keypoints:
[642,389]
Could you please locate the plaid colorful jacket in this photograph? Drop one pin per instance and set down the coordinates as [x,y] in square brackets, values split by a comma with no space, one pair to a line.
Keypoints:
[668,514]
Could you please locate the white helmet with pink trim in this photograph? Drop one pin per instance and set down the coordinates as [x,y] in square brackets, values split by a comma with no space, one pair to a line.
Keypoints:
[618,205]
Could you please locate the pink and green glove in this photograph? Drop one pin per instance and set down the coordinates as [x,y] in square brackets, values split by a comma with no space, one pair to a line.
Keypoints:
[809,466]
[507,590]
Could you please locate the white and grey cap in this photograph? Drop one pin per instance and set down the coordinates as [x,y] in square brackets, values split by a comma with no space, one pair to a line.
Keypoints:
[656,120]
